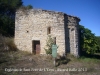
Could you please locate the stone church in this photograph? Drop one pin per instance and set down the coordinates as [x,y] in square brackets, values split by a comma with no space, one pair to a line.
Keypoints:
[32,27]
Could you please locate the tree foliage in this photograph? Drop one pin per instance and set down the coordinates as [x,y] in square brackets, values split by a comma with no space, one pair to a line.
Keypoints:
[88,41]
[98,41]
[29,6]
[7,16]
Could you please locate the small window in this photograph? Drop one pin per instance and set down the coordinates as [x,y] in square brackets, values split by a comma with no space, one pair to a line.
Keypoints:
[27,31]
[49,30]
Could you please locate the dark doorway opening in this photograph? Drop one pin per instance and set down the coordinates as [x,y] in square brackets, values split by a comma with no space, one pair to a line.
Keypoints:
[36,46]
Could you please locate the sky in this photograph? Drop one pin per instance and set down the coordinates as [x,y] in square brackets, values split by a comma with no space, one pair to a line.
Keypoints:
[87,10]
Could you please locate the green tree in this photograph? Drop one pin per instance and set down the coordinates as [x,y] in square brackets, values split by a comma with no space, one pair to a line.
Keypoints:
[88,41]
[7,16]
[98,41]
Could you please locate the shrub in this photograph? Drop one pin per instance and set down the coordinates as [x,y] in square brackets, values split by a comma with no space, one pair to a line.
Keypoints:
[9,42]
[49,44]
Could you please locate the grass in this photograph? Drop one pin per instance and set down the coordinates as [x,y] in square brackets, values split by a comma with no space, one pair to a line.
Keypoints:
[91,64]
[11,59]
[9,42]
[22,59]
[89,60]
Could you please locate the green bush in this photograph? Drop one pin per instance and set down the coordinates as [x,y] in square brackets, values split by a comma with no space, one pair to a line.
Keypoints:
[49,44]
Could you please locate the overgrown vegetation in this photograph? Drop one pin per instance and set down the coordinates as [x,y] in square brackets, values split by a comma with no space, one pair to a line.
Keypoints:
[98,41]
[49,44]
[88,41]
[7,15]
[7,44]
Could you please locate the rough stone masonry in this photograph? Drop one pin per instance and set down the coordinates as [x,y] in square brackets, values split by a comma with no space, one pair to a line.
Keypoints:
[32,27]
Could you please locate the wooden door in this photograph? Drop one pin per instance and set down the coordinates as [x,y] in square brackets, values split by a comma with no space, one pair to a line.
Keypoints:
[36,47]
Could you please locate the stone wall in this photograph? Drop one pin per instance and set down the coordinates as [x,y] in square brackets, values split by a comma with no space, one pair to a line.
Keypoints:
[74,42]
[32,25]
[71,34]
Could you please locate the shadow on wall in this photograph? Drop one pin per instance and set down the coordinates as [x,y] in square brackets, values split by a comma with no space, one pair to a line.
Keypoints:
[67,39]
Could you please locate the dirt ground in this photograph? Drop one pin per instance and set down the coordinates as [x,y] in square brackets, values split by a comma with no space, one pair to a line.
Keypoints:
[23,63]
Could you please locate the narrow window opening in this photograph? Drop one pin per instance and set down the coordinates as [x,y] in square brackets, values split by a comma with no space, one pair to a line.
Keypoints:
[27,31]
[49,30]
[54,40]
